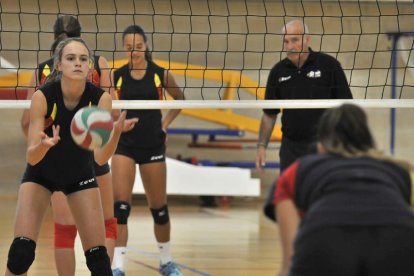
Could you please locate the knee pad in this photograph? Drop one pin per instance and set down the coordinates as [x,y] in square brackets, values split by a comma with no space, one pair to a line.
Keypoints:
[21,255]
[98,262]
[121,211]
[65,235]
[160,215]
[111,228]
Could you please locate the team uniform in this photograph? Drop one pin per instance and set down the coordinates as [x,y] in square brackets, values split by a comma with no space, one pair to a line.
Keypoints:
[94,76]
[145,143]
[66,167]
[320,77]
[357,218]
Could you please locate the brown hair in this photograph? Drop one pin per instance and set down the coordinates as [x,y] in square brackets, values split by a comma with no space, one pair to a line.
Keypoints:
[344,130]
[65,26]
[57,56]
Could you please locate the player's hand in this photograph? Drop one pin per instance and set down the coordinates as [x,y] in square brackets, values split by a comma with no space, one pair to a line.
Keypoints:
[123,124]
[260,158]
[47,141]
[129,124]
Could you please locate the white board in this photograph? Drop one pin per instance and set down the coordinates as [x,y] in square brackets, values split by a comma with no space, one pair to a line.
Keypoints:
[188,179]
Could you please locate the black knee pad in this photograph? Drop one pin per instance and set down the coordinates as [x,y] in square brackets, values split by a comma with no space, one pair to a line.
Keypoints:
[160,215]
[98,262]
[121,211]
[21,255]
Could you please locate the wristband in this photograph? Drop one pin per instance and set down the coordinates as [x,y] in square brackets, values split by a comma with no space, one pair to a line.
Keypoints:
[262,144]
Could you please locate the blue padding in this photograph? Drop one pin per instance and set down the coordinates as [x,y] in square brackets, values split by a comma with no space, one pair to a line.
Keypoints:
[203,131]
[237,164]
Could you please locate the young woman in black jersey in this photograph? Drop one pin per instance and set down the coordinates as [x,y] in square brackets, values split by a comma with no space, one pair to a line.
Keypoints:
[65,229]
[142,79]
[352,204]
[56,163]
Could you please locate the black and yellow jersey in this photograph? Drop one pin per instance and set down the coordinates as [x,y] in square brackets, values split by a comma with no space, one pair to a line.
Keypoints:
[147,133]
[65,163]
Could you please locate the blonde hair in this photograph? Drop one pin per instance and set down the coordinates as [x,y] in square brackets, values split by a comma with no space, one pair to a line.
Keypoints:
[57,57]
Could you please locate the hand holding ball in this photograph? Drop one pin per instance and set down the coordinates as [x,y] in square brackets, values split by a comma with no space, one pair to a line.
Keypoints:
[92,127]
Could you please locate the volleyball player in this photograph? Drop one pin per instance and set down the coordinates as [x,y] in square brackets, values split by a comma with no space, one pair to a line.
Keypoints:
[142,79]
[65,228]
[56,163]
[352,204]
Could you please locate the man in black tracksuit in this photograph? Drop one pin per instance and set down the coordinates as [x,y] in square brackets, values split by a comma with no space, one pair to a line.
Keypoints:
[303,74]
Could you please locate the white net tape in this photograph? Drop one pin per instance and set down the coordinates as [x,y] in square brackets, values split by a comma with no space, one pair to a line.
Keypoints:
[245,104]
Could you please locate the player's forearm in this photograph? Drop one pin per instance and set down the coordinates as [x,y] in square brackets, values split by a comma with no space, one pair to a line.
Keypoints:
[266,128]
[288,220]
[24,122]
[102,155]
[169,118]
[35,153]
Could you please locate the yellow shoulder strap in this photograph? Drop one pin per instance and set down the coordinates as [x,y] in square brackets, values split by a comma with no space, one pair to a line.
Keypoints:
[54,111]
[46,70]
[157,80]
[119,83]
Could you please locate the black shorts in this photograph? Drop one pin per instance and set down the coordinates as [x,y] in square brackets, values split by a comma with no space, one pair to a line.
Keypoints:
[101,170]
[142,156]
[354,251]
[53,186]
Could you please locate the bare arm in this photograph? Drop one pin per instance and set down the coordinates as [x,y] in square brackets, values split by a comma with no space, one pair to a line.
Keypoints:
[38,142]
[25,120]
[103,154]
[105,79]
[288,220]
[267,124]
[175,91]
[112,92]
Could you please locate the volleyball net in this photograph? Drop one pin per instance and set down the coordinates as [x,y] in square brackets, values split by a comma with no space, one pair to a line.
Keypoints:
[222,49]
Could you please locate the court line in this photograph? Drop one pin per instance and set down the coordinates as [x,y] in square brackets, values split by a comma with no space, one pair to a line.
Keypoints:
[144,264]
[155,256]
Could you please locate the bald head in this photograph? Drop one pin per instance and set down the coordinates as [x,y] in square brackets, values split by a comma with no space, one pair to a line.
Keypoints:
[296,42]
[296,25]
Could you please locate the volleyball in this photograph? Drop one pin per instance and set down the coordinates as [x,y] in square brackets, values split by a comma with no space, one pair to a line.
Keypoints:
[91,127]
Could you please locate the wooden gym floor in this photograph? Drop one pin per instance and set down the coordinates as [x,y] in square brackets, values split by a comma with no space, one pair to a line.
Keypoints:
[226,240]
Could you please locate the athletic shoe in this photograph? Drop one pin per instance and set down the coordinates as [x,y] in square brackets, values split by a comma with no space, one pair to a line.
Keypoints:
[118,272]
[170,269]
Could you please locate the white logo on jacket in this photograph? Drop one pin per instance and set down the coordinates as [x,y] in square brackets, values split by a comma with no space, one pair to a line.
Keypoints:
[314,74]
[282,79]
